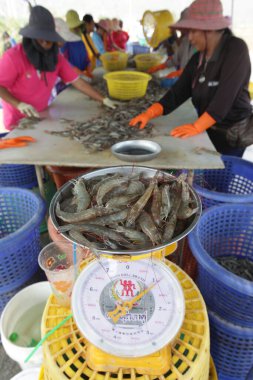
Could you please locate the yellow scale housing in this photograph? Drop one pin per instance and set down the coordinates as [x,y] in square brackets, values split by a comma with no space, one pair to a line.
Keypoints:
[65,351]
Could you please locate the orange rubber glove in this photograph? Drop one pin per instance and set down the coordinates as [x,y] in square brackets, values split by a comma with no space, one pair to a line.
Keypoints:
[204,122]
[153,111]
[154,69]
[174,74]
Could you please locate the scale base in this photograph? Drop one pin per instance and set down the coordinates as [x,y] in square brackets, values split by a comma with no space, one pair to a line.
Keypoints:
[155,364]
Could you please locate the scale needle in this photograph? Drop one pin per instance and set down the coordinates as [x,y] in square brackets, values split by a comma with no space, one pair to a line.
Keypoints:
[123,308]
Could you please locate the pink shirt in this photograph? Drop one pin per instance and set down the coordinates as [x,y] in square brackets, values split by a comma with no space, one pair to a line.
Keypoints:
[27,84]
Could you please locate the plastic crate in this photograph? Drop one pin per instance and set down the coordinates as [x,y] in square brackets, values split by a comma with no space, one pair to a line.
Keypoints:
[64,351]
[126,85]
[23,176]
[146,61]
[114,61]
[21,213]
[231,348]
[234,184]
[62,174]
[225,230]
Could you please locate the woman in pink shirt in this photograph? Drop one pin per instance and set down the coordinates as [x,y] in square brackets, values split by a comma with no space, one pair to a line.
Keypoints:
[29,70]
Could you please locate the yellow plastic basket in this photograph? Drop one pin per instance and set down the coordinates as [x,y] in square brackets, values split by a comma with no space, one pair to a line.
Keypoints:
[145,61]
[114,61]
[156,26]
[126,85]
[65,351]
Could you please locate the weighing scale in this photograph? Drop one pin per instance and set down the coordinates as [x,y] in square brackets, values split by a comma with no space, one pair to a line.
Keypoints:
[131,309]
[66,351]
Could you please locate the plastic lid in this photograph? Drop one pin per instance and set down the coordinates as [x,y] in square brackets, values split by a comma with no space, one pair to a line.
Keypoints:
[27,374]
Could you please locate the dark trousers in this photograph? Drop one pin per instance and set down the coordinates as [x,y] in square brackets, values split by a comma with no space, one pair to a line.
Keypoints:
[218,138]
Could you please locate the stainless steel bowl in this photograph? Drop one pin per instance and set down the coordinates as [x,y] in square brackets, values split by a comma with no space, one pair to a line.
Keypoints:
[65,191]
[136,150]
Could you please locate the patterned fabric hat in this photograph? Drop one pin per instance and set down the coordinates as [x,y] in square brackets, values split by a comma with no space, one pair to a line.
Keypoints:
[73,19]
[203,15]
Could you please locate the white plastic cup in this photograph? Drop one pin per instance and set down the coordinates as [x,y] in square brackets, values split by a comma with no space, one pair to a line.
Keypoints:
[61,262]
[28,374]
[32,295]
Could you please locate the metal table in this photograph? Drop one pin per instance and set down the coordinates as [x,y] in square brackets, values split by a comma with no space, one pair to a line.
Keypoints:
[192,153]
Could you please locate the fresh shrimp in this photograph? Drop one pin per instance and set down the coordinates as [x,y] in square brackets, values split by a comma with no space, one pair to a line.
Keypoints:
[90,213]
[82,196]
[107,187]
[156,205]
[149,228]
[166,203]
[123,200]
[141,203]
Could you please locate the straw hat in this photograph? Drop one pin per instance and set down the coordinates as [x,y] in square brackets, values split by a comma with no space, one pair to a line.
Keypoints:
[203,15]
[41,26]
[63,30]
[73,19]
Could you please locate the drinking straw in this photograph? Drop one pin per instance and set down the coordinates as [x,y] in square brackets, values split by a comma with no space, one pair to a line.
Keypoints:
[46,336]
[75,260]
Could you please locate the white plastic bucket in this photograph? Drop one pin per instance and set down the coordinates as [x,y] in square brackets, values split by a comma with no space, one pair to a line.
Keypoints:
[28,374]
[18,306]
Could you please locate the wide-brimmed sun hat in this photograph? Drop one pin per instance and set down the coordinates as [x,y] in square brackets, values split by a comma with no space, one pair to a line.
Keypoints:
[63,30]
[103,24]
[41,26]
[203,15]
[73,19]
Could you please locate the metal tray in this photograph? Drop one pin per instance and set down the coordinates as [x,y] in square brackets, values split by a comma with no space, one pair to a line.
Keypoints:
[136,150]
[65,191]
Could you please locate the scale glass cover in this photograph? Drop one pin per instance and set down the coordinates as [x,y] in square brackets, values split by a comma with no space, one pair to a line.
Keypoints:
[128,308]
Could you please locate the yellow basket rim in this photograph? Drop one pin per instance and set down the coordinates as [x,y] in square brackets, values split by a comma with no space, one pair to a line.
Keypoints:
[118,53]
[141,75]
[153,55]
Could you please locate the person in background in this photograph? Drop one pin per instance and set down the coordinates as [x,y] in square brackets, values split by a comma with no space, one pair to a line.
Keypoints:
[73,49]
[119,37]
[79,55]
[99,36]
[29,70]
[216,79]
[8,41]
[180,58]
[108,41]
[89,26]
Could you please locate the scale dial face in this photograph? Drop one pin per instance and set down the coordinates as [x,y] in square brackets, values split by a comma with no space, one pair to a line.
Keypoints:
[128,309]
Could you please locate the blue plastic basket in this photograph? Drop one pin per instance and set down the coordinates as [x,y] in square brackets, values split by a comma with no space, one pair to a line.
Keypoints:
[168,82]
[225,230]
[23,176]
[21,212]
[234,184]
[139,49]
[231,348]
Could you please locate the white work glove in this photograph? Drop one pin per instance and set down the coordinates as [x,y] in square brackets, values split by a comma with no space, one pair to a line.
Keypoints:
[28,110]
[109,103]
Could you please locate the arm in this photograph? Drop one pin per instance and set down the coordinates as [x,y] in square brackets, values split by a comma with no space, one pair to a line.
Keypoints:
[181,90]
[26,109]
[234,77]
[7,97]
[86,89]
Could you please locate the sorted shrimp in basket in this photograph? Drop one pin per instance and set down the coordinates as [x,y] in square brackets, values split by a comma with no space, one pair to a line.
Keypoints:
[126,212]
